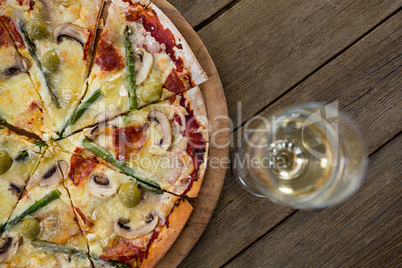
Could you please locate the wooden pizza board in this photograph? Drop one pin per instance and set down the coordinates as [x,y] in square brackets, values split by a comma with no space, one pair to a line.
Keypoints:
[215,103]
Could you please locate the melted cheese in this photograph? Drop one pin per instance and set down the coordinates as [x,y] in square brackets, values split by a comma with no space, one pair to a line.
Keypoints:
[115,100]
[20,105]
[171,168]
[71,74]
[57,222]
[68,79]
[19,171]
[105,212]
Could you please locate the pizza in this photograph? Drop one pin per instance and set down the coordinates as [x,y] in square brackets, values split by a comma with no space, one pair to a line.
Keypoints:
[20,103]
[43,231]
[19,157]
[56,37]
[103,133]
[160,63]
[163,144]
[124,220]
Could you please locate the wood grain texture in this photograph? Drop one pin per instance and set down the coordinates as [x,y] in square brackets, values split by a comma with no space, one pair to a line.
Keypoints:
[365,80]
[263,48]
[197,11]
[217,112]
[365,231]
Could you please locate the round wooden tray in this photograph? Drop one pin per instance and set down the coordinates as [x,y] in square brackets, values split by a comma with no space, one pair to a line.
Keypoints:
[215,103]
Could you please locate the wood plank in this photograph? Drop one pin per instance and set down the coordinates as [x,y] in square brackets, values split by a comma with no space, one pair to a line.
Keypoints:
[263,48]
[196,11]
[364,232]
[366,81]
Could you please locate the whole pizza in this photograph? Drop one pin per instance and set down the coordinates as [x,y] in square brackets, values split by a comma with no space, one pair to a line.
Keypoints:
[103,137]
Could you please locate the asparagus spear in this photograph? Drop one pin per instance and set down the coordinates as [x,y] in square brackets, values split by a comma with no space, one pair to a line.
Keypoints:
[22,156]
[2,119]
[32,51]
[130,69]
[58,248]
[123,166]
[40,144]
[81,110]
[44,245]
[44,201]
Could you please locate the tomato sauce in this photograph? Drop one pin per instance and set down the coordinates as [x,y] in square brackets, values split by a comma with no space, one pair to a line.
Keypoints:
[196,146]
[150,21]
[80,169]
[87,45]
[15,34]
[173,83]
[4,38]
[124,251]
[141,257]
[108,58]
[31,4]
[128,140]
[177,118]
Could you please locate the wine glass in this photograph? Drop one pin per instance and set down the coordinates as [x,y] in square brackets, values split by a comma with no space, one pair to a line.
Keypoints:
[305,157]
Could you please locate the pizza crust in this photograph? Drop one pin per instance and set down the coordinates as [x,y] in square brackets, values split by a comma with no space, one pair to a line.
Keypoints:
[168,234]
[194,95]
[190,60]
[197,104]
[195,188]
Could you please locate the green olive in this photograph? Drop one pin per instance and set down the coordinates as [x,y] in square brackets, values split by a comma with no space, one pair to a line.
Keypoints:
[51,60]
[129,194]
[151,92]
[30,228]
[37,29]
[5,162]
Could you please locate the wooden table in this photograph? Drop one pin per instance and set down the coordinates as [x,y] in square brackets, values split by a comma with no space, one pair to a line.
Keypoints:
[274,53]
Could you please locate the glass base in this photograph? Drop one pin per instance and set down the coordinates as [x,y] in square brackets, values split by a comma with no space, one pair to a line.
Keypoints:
[240,167]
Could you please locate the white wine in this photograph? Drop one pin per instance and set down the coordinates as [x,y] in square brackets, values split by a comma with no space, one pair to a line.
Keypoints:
[308,157]
[301,157]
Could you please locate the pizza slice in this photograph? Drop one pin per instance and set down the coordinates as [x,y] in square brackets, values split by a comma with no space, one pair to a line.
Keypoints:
[141,59]
[43,231]
[18,158]
[20,104]
[164,144]
[57,37]
[125,224]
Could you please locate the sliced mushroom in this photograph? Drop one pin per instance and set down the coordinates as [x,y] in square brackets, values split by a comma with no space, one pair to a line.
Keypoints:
[161,119]
[14,65]
[71,31]
[59,225]
[63,165]
[100,186]
[145,227]
[8,248]
[51,177]
[98,130]
[143,65]
[15,189]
